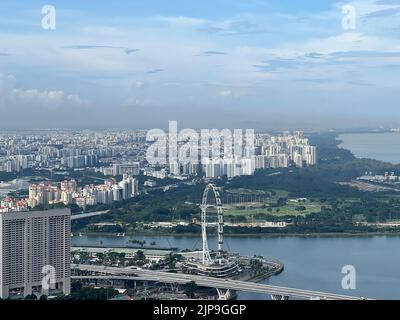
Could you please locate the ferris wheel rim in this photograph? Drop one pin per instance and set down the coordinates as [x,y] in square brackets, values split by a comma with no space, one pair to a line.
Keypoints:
[206,252]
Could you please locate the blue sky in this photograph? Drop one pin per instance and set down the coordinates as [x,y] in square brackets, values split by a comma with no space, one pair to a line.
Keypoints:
[235,63]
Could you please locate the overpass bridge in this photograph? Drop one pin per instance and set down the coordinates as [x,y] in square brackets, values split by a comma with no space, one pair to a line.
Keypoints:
[88,215]
[276,292]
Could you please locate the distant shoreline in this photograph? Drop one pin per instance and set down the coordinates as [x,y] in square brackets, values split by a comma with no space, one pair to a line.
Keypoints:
[360,149]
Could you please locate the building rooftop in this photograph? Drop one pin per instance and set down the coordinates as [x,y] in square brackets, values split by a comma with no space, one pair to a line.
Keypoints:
[149,252]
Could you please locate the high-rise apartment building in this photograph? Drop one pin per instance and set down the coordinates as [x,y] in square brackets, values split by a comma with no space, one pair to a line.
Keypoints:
[33,244]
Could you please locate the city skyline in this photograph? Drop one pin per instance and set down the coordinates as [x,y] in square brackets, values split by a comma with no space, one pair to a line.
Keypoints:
[198,154]
[258,64]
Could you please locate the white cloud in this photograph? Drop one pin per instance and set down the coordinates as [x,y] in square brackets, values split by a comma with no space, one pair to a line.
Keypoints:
[174,43]
[182,21]
[225,93]
[34,97]
[138,84]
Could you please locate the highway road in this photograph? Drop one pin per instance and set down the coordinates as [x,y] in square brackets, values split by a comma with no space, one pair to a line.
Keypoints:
[88,215]
[166,277]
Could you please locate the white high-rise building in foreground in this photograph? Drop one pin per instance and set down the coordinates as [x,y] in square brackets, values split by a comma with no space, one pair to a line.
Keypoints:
[31,243]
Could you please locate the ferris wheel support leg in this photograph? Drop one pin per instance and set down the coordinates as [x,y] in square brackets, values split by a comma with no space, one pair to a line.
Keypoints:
[224,294]
[279,297]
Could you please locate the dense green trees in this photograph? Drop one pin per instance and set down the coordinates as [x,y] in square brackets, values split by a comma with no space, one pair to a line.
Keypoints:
[190,289]
[90,293]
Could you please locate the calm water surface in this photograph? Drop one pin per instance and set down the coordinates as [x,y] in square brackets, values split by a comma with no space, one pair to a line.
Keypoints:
[313,263]
[379,146]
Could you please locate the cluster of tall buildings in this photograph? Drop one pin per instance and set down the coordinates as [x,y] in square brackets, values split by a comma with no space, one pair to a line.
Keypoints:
[284,150]
[270,151]
[213,168]
[70,149]
[80,161]
[118,169]
[124,152]
[68,193]
[9,204]
[159,174]
[278,156]
[44,194]
[16,163]
[188,169]
[108,192]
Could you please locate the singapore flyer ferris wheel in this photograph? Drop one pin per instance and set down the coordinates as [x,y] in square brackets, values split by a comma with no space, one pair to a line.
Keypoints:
[207,260]
[222,264]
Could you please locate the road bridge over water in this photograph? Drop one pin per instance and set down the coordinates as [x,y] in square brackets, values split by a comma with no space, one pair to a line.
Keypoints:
[276,292]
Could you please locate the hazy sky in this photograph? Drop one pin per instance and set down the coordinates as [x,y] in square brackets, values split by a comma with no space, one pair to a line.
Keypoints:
[211,63]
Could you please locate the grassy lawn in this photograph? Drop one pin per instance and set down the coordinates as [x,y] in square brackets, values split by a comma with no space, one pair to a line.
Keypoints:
[280,193]
[252,209]
[262,208]
[243,191]
[288,210]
